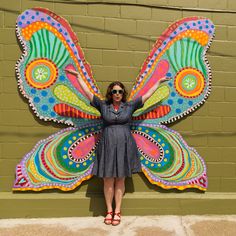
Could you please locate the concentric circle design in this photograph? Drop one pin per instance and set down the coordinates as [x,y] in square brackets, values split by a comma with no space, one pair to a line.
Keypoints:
[189,82]
[41,73]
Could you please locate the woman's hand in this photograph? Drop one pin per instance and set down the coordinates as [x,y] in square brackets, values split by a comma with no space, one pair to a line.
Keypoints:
[84,86]
[154,88]
[73,72]
[164,79]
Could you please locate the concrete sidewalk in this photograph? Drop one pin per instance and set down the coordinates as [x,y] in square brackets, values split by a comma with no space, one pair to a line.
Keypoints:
[207,225]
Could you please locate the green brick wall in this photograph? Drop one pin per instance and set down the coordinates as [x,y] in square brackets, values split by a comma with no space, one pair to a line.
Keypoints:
[116,37]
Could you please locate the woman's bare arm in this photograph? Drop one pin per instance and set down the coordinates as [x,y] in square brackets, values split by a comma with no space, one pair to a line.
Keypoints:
[153,89]
[83,85]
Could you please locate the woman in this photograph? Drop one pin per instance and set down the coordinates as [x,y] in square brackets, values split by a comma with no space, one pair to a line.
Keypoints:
[117,151]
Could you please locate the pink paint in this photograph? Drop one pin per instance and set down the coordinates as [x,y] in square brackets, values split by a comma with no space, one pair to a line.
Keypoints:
[159,72]
[74,80]
[84,147]
[149,148]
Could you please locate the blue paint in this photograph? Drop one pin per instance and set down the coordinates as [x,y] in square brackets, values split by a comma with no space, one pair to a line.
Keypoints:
[51,100]
[44,107]
[33,91]
[178,110]
[62,78]
[36,99]
[53,114]
[44,93]
[190,103]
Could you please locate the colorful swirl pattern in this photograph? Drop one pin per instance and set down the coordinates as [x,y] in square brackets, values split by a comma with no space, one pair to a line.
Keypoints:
[179,53]
[66,158]
[49,47]
[63,160]
[167,160]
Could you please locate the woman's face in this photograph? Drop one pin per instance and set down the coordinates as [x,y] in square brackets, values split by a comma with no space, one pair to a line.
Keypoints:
[117,93]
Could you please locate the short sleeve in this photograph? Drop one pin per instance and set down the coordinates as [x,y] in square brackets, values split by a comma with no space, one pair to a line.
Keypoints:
[137,103]
[96,102]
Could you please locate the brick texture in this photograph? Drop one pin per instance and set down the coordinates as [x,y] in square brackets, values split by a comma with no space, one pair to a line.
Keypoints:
[104,10]
[116,39]
[136,12]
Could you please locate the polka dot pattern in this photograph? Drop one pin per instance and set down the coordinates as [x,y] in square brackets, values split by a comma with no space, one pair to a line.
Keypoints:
[39,84]
[36,20]
[63,93]
[193,89]
[179,167]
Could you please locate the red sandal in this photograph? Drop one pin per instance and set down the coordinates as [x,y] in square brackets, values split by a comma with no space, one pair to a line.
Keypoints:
[116,220]
[108,220]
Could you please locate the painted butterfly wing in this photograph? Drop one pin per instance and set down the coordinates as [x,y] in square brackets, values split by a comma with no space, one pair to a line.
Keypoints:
[63,160]
[49,47]
[167,160]
[179,53]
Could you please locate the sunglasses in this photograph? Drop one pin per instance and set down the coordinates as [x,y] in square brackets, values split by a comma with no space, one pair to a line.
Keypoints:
[117,91]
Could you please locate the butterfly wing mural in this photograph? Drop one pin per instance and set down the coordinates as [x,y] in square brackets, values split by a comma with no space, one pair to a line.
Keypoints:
[66,158]
[179,53]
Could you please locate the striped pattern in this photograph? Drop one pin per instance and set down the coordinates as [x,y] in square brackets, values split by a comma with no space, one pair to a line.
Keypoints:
[67,95]
[63,109]
[44,44]
[53,163]
[186,52]
[183,45]
[175,165]
[156,113]
[157,97]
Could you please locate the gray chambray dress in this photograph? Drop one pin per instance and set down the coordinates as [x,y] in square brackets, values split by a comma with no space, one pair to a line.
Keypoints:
[116,153]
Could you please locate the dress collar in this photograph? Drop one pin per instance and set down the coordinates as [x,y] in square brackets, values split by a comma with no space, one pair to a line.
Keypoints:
[111,108]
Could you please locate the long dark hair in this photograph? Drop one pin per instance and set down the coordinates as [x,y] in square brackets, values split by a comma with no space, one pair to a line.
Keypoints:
[110,87]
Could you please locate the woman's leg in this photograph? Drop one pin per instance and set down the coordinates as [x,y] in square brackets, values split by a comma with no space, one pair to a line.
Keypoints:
[109,193]
[119,192]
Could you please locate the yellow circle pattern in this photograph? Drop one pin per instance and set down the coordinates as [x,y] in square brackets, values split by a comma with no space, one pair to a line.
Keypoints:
[31,78]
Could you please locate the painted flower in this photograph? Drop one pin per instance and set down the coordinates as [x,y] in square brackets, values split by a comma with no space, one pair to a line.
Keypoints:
[41,73]
[189,83]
